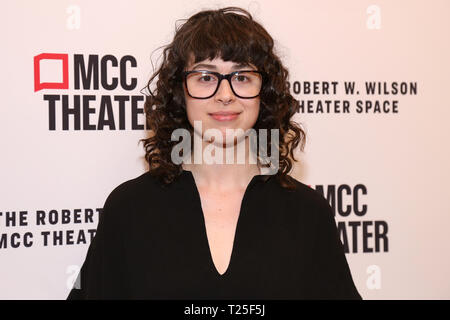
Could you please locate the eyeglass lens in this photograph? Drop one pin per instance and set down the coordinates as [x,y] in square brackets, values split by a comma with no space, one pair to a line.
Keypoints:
[245,84]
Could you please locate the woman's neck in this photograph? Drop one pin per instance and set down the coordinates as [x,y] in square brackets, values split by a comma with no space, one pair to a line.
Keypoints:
[229,174]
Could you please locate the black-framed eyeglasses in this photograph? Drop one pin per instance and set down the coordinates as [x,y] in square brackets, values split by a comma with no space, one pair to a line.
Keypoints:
[202,84]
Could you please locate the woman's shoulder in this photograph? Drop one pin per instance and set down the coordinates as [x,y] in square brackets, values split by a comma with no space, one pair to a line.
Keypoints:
[301,191]
[134,184]
[305,199]
[142,187]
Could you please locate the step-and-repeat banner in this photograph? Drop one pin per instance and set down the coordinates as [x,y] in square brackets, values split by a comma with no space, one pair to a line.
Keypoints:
[372,78]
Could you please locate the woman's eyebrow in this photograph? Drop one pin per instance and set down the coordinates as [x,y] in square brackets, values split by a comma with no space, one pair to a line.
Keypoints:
[236,66]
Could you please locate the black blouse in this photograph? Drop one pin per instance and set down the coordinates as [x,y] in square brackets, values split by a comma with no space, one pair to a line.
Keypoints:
[151,243]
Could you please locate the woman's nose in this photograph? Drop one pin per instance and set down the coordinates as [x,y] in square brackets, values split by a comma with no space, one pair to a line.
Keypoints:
[224,93]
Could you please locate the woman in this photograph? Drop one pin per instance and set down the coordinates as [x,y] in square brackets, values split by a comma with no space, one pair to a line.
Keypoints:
[221,229]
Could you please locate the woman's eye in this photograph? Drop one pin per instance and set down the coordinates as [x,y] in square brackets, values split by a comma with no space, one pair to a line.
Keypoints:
[206,78]
[240,78]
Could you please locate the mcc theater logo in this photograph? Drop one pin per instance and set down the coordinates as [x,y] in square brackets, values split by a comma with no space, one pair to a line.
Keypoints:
[87,111]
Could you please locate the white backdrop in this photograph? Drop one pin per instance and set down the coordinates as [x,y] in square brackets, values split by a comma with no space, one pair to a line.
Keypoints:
[385,172]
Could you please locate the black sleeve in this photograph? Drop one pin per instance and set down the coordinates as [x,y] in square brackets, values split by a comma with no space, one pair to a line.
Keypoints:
[101,274]
[332,278]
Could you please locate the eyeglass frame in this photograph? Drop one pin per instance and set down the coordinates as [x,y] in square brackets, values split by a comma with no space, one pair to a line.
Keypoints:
[221,77]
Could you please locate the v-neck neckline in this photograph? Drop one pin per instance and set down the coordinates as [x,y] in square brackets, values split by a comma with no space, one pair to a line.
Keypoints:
[238,227]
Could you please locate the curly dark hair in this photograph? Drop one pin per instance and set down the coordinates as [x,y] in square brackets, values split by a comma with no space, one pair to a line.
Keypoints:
[231,34]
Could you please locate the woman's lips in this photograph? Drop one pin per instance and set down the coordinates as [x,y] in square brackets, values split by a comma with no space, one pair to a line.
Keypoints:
[224,116]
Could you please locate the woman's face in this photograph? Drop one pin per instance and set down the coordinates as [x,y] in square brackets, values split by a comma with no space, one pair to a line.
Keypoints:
[224,100]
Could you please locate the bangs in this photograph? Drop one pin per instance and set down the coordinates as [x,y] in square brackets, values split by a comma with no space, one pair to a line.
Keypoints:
[231,37]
